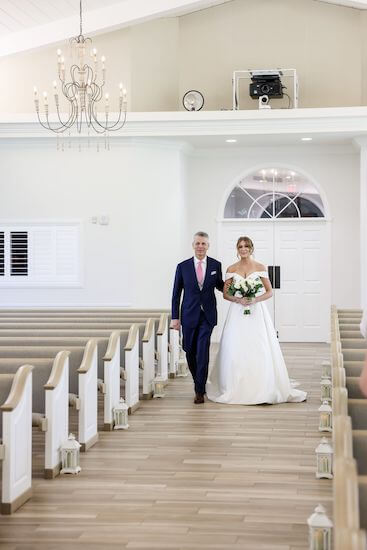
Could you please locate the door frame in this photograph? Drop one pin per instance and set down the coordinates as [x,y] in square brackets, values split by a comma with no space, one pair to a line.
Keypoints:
[222,222]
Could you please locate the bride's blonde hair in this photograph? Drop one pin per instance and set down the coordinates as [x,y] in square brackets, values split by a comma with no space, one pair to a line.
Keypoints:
[248,242]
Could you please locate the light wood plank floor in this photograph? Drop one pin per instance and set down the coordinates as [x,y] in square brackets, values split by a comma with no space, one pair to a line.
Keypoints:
[188,477]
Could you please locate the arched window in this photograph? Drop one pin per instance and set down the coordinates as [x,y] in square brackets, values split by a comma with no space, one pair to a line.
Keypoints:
[274,193]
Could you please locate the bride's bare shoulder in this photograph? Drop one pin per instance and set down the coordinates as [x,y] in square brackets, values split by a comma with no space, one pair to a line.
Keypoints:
[232,268]
[260,267]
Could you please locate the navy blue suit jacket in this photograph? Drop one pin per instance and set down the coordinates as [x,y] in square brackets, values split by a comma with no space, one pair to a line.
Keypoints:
[194,299]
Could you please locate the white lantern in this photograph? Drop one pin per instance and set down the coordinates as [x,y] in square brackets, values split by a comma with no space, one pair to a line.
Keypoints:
[326,387]
[320,528]
[326,369]
[325,424]
[70,456]
[324,460]
[158,387]
[120,416]
[182,371]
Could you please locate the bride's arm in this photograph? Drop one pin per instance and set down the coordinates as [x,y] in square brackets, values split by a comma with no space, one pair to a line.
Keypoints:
[268,291]
[227,296]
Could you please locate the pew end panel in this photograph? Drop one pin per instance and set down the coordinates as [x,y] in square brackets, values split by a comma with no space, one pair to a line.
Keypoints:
[111,379]
[57,413]
[162,346]
[17,442]
[346,494]
[88,432]
[132,369]
[174,340]
[149,359]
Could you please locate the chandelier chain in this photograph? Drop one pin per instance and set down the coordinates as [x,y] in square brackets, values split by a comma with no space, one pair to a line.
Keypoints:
[81,17]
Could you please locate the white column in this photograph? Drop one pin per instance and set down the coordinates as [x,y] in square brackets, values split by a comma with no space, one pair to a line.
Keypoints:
[363,219]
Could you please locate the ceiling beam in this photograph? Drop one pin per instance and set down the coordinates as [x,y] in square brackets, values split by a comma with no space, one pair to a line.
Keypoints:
[102,20]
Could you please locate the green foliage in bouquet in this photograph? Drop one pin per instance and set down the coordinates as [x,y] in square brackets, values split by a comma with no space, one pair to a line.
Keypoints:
[245,288]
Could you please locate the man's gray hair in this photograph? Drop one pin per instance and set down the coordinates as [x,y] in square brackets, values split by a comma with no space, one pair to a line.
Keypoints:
[201,234]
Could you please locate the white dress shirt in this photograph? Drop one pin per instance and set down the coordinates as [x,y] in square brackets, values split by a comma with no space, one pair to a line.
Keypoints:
[203,267]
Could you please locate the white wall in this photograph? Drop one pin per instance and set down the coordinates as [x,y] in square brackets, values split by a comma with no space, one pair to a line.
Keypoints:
[336,170]
[156,197]
[140,187]
[160,60]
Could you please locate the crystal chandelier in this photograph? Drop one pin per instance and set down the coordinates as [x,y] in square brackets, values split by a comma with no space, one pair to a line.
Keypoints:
[82,93]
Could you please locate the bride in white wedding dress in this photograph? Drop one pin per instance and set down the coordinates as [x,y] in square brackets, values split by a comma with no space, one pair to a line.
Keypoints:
[249,368]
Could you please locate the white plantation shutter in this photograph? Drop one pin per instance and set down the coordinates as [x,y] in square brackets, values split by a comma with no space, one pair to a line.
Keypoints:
[18,253]
[42,254]
[2,253]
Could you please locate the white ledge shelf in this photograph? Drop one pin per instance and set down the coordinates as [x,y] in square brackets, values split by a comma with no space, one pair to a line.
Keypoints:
[342,121]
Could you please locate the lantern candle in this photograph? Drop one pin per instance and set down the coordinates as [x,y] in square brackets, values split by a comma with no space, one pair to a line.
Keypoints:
[158,387]
[120,416]
[325,424]
[70,456]
[324,460]
[326,386]
[320,528]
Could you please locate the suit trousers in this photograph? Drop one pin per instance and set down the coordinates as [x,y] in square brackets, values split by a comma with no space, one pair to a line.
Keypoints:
[196,343]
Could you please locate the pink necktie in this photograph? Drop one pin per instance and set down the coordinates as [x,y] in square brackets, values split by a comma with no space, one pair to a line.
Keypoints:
[199,273]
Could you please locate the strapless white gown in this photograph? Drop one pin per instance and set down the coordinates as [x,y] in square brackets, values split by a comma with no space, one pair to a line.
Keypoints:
[249,368]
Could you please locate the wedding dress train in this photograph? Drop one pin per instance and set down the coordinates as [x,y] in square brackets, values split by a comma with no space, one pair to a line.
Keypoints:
[249,368]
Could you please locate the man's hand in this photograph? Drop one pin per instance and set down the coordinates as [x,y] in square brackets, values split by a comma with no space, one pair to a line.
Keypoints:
[175,324]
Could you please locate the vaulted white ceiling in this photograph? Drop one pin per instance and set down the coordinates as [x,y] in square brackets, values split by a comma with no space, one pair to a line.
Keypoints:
[28,24]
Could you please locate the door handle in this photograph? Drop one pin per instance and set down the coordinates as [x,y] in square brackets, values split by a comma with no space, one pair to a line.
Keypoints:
[271,274]
[277,276]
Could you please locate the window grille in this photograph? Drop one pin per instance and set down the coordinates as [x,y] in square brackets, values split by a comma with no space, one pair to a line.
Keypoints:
[18,253]
[274,193]
[2,253]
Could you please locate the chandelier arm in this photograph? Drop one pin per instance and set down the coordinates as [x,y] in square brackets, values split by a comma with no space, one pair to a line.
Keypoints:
[47,125]
[69,122]
[96,129]
[113,127]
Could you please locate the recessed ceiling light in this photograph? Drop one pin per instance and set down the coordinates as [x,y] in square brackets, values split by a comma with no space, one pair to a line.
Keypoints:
[306,139]
[231,140]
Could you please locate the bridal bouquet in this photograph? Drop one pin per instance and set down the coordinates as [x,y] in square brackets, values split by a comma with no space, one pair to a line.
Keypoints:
[246,288]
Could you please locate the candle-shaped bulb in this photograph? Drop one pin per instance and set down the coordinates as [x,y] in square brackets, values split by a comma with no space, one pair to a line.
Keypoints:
[59,52]
[62,59]
[54,84]
[103,59]
[124,95]
[35,91]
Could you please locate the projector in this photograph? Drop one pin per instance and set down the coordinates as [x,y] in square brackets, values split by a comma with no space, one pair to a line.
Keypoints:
[268,84]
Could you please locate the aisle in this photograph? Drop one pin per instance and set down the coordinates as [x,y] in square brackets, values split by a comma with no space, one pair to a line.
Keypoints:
[189,477]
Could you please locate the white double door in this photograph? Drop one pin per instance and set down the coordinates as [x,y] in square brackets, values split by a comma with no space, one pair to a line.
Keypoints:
[300,251]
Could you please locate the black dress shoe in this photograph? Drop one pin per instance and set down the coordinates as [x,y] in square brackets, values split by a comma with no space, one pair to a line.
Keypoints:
[199,398]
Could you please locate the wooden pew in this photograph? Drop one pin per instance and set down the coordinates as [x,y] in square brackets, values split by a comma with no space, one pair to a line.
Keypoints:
[349,432]
[108,359]
[16,438]
[50,402]
[118,315]
[129,344]
[52,373]
[167,365]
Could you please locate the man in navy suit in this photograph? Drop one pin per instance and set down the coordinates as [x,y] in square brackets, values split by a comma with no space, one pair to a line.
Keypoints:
[198,278]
